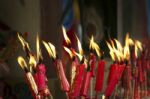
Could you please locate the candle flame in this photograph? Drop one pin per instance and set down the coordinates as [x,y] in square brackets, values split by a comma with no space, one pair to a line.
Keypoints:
[128,42]
[23,42]
[32,61]
[79,56]
[114,52]
[103,96]
[50,49]
[39,55]
[65,35]
[119,50]
[138,45]
[69,51]
[79,46]
[22,62]
[94,46]
[119,46]
[111,51]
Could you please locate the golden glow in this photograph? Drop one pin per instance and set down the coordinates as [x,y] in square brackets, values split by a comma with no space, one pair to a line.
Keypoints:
[65,35]
[69,51]
[94,46]
[22,62]
[79,46]
[50,49]
[39,55]
[23,42]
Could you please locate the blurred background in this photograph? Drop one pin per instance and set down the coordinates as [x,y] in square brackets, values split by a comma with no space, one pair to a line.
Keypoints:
[102,18]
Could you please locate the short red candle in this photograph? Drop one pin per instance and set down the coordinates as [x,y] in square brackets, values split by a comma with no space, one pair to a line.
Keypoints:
[40,77]
[100,76]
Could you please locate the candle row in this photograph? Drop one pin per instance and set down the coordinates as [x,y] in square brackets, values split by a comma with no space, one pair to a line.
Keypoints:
[126,72]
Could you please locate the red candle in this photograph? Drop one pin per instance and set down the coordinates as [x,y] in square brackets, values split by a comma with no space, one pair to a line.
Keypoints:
[86,83]
[120,70]
[64,82]
[140,71]
[40,77]
[127,76]
[41,80]
[136,83]
[116,73]
[111,72]
[78,80]
[100,76]
[73,71]
[92,63]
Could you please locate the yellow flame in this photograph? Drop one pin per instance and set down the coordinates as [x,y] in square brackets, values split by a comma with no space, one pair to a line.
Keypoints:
[91,43]
[39,55]
[94,46]
[50,49]
[22,62]
[69,51]
[32,61]
[119,50]
[119,46]
[23,42]
[112,55]
[65,35]
[111,52]
[139,45]
[79,56]
[126,53]
[131,41]
[79,46]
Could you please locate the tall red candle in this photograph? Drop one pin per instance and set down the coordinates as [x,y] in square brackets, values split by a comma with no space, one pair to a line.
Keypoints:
[86,83]
[100,76]
[73,71]
[78,80]
[64,82]
[92,63]
[116,73]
